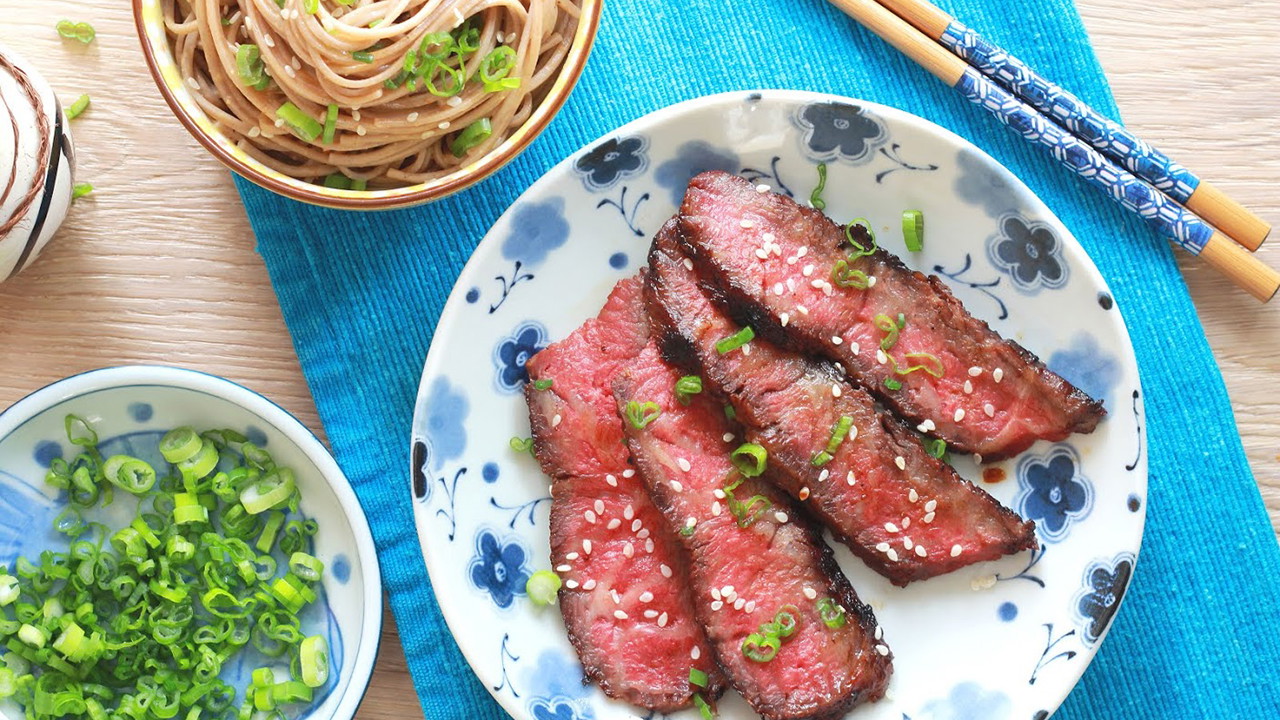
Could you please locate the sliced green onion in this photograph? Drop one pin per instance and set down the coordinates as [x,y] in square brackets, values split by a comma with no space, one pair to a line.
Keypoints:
[79,106]
[815,198]
[893,383]
[845,276]
[306,566]
[736,340]
[130,474]
[543,384]
[81,31]
[786,621]
[330,124]
[474,134]
[863,228]
[704,708]
[311,7]
[495,67]
[936,447]
[820,458]
[759,647]
[302,124]
[750,459]
[520,444]
[730,413]
[686,387]
[467,37]
[180,444]
[271,491]
[542,587]
[839,432]
[9,590]
[890,328]
[697,678]
[913,229]
[640,414]
[337,180]
[250,68]
[79,190]
[927,362]
[832,613]
[363,56]
[313,659]
[32,636]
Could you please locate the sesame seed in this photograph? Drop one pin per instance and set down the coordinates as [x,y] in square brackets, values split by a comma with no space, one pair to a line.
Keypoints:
[444,125]
[571,584]
[677,486]
[288,70]
[975,371]
[849,478]
[802,309]
[792,260]
[255,131]
[779,288]
[719,494]
[715,593]
[454,101]
[746,349]
[715,509]
[881,357]
[762,254]
[268,41]
[590,515]
[989,410]
[728,437]
[750,607]
[835,390]
[666,571]
[997,374]
[645,597]
[883,650]
[956,550]
[589,585]
[650,614]
[879,632]
[901,462]
[784,318]
[599,507]
[555,421]
[883,547]
[747,223]
[737,604]
[855,348]
[716,605]
[613,481]
[628,512]
[810,593]
[648,546]
[572,556]
[913,496]
[836,339]
[613,524]
[643,533]
[727,590]
[906,523]
[959,414]
[985,582]
[636,525]
[586,546]
[804,493]
[921,551]
[890,527]
[818,283]
[977,458]
[768,237]
[355,114]
[822,476]
[928,518]
[926,426]
[696,652]
[412,117]
[620,614]
[807,270]
[907,542]
[931,506]
[662,620]
[193,83]
[968,387]
[563,568]
[688,264]
[684,464]
[871,281]
[892,555]
[781,516]
[628,473]
[690,521]
[613,594]
[762,188]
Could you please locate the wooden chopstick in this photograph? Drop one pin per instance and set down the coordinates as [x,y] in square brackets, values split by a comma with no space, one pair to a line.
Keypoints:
[1103,134]
[1179,224]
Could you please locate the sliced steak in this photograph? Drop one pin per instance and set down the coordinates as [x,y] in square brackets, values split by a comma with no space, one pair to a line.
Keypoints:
[752,554]
[906,514]
[601,514]
[774,262]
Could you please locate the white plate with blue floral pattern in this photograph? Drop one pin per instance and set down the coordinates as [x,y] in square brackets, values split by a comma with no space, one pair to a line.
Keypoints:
[1003,640]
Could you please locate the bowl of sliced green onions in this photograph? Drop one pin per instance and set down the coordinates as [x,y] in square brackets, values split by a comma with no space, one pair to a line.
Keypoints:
[173,545]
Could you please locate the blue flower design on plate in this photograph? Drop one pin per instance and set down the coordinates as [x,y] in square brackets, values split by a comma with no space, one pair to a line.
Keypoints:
[1053,492]
[1105,583]
[558,675]
[969,701]
[447,409]
[557,708]
[1087,366]
[982,182]
[536,230]
[25,512]
[511,354]
[693,157]
[612,160]
[1029,253]
[839,130]
[499,567]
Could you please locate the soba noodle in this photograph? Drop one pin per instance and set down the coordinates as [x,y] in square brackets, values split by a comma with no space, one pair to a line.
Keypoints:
[387,71]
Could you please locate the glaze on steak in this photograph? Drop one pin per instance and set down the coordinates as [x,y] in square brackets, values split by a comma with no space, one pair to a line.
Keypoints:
[906,514]
[607,538]
[743,571]
[773,261]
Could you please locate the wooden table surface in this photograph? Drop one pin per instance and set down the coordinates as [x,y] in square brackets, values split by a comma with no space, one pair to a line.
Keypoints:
[159,264]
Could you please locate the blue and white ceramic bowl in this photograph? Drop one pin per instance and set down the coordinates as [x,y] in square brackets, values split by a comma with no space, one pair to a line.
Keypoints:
[131,408]
[1000,641]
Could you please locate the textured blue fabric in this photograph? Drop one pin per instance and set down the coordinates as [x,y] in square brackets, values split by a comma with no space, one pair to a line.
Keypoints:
[361,294]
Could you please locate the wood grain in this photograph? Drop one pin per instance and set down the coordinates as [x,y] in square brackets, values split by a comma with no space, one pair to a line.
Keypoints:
[158,265]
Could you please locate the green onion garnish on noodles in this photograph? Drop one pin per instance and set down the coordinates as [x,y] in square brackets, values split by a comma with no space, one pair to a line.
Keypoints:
[80,190]
[337,181]
[362,56]
[471,136]
[736,340]
[750,459]
[311,7]
[250,68]
[79,106]
[686,387]
[495,67]
[542,587]
[81,31]
[815,198]
[640,414]
[302,124]
[913,229]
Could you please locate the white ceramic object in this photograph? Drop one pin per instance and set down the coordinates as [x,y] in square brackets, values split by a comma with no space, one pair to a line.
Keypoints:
[37,164]
[131,408]
[1005,640]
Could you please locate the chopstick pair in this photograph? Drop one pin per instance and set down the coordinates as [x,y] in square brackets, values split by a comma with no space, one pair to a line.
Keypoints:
[1171,198]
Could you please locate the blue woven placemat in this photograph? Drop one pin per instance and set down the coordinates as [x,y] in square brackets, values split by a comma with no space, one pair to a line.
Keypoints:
[361,294]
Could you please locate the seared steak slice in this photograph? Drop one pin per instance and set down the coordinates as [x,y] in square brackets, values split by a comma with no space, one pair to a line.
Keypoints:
[774,262]
[607,541]
[906,514]
[751,553]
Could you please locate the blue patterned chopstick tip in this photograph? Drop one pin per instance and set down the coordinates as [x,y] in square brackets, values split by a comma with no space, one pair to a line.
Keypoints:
[1136,195]
[1102,133]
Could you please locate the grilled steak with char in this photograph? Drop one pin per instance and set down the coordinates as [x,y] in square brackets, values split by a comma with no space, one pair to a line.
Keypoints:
[777,267]
[752,555]
[906,514]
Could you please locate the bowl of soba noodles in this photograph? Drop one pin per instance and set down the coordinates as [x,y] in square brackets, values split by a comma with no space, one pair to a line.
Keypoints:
[366,104]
